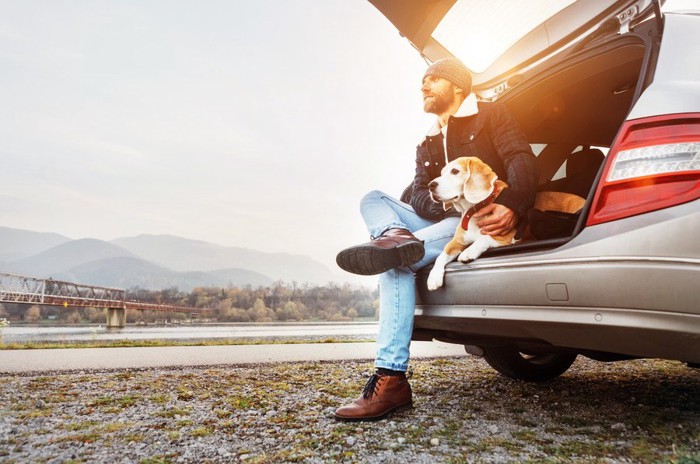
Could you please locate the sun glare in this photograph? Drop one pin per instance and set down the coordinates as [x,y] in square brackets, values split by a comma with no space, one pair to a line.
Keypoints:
[466,26]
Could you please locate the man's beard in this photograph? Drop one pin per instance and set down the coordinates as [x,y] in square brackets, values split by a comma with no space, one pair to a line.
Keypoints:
[439,103]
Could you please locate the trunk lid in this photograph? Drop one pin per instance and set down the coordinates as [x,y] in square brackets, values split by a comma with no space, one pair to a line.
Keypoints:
[496,39]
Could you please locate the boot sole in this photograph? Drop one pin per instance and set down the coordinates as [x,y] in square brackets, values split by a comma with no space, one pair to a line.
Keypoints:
[369,260]
[396,409]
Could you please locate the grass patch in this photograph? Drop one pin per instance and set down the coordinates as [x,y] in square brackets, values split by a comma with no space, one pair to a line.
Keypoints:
[158,459]
[529,436]
[134,437]
[201,432]
[115,404]
[35,413]
[77,426]
[172,412]
[160,398]
[582,448]
[222,413]
[32,345]
[241,402]
[114,427]
[39,383]
[87,437]
[183,394]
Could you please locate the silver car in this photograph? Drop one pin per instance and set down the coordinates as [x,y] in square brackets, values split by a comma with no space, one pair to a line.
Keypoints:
[608,94]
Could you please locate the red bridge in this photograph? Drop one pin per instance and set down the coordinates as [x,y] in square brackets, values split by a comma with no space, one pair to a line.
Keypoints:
[30,290]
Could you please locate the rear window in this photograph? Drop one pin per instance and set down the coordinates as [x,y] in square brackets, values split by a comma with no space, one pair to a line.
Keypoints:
[561,172]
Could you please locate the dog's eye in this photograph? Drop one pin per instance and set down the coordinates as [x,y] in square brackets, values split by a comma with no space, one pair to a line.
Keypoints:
[454,171]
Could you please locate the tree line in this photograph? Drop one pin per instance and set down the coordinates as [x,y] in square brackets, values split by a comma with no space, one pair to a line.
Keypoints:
[279,302]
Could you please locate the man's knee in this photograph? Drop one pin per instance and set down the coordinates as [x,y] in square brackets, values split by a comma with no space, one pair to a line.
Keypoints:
[372,196]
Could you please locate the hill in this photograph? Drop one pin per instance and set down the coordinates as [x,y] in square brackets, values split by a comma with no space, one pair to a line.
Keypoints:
[59,259]
[17,243]
[183,254]
[127,272]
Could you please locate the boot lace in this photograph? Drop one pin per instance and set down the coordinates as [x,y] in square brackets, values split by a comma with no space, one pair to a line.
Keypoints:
[370,387]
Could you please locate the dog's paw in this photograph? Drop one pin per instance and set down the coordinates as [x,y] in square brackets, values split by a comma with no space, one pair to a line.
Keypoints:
[435,279]
[468,255]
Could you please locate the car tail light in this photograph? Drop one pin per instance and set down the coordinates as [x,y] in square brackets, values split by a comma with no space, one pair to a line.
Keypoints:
[653,164]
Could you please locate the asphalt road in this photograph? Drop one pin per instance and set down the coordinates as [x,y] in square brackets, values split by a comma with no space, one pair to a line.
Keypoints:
[71,359]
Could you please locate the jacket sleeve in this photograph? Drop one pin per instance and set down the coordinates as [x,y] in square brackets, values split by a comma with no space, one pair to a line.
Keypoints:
[519,161]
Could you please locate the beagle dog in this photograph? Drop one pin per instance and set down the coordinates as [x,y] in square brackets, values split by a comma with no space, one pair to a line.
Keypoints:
[468,184]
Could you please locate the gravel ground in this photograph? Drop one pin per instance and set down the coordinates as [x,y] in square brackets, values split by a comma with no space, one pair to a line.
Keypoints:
[633,411]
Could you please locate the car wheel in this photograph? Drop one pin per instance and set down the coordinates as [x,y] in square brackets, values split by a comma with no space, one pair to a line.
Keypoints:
[532,367]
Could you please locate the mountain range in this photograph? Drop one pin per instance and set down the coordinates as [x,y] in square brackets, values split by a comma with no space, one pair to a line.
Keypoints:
[150,261]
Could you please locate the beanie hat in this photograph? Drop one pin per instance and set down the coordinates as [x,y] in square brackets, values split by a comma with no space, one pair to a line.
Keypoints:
[453,70]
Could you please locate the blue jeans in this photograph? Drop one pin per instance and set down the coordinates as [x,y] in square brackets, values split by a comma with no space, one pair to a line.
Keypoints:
[397,287]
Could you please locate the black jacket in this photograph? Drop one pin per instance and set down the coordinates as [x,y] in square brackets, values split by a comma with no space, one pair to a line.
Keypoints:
[491,135]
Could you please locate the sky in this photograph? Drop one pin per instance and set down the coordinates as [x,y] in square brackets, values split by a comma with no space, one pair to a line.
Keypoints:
[250,124]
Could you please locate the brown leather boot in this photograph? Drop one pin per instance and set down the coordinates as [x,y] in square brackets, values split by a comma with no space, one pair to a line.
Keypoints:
[394,248]
[382,395]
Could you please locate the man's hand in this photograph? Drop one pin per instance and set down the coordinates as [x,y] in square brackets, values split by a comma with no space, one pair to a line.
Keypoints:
[495,219]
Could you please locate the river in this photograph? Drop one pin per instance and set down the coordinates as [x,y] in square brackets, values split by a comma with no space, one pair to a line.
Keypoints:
[88,333]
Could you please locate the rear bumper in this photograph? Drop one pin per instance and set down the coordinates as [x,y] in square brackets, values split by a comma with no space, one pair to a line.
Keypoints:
[637,333]
[653,284]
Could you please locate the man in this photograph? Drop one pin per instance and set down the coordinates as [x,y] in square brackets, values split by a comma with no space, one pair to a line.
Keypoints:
[464,127]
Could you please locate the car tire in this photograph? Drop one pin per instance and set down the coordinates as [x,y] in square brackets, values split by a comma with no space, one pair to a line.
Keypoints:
[532,367]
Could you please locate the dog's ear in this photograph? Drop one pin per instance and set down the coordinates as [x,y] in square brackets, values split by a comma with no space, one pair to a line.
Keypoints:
[479,183]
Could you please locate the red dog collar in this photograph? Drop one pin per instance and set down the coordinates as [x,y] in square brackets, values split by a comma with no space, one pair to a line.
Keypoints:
[471,211]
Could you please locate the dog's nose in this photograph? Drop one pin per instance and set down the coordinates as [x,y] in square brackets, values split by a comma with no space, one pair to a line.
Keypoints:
[432,185]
